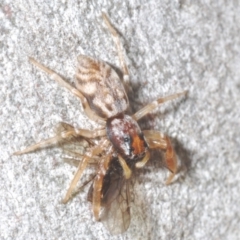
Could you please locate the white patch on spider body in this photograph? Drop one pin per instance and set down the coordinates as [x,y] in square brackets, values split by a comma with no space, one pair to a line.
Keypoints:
[90,88]
[109,99]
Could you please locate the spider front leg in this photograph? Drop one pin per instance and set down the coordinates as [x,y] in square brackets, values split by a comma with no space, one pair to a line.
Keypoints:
[83,164]
[157,140]
[73,90]
[63,136]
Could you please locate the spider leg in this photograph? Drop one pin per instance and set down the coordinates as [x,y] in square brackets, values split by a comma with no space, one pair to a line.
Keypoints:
[82,165]
[117,41]
[97,186]
[91,114]
[157,140]
[151,106]
[61,137]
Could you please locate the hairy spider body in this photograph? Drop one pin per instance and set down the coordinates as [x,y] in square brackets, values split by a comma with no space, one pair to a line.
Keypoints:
[121,147]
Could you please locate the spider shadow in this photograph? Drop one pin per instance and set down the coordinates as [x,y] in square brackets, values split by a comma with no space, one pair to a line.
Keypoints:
[185,158]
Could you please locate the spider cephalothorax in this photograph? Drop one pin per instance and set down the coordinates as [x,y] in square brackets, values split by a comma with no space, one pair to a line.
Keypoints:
[126,136]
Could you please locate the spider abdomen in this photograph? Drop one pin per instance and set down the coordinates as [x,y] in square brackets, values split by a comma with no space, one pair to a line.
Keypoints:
[101,86]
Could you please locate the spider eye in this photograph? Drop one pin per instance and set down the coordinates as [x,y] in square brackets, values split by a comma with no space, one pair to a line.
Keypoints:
[126,139]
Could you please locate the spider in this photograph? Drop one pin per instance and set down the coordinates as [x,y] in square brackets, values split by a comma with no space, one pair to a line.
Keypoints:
[121,146]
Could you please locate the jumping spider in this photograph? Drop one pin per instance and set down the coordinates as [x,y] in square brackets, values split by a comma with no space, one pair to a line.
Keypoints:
[122,146]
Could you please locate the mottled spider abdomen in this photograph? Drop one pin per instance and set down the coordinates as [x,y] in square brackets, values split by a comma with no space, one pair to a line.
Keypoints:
[101,86]
[126,136]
